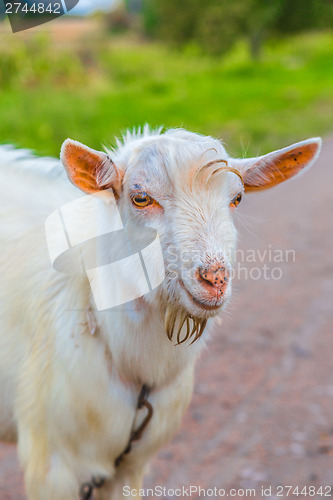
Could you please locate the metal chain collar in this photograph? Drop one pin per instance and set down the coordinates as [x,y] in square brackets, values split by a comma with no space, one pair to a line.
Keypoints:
[87,488]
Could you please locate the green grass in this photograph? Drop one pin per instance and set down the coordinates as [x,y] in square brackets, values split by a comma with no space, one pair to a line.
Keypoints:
[95,92]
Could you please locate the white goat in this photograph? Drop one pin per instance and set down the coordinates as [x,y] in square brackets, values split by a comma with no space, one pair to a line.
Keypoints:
[68,397]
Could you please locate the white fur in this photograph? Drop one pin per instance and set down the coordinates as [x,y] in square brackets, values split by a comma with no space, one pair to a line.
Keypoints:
[68,396]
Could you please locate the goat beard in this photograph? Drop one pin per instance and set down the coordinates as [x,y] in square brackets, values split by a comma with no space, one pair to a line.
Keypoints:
[181,325]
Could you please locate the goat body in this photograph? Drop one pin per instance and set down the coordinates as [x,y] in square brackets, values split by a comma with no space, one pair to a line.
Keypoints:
[70,375]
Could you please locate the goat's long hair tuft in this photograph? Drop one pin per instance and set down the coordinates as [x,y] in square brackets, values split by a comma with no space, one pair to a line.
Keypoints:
[182,326]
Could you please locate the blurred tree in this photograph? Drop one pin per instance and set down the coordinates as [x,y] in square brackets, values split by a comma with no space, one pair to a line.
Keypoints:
[151,17]
[217,24]
[134,6]
[258,21]
[119,19]
[304,15]
[172,21]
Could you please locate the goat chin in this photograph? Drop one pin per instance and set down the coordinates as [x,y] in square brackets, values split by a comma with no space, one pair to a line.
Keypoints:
[181,326]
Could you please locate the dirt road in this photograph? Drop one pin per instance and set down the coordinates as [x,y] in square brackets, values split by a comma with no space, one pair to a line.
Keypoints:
[262,410]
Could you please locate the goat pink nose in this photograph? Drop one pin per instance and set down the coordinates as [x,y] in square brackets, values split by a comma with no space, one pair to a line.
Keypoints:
[215,277]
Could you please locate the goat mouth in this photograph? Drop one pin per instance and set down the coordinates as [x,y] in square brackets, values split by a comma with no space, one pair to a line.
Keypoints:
[197,302]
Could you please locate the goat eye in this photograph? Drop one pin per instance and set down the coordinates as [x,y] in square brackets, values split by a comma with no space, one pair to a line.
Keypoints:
[141,200]
[236,200]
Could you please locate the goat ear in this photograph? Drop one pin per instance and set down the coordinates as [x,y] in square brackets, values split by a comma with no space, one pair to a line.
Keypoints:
[86,168]
[269,170]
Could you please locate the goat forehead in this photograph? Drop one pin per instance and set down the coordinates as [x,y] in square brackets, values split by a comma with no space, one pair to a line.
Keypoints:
[168,161]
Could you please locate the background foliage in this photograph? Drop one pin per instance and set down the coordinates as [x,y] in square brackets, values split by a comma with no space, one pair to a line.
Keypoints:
[90,79]
[215,25]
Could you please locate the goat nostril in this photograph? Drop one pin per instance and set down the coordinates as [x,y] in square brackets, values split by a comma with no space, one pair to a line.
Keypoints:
[204,275]
[213,277]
